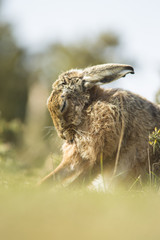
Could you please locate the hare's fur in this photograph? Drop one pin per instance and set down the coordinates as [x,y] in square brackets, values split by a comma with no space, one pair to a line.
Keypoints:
[113,125]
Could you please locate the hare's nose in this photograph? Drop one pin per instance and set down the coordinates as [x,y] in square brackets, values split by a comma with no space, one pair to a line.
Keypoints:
[68,136]
[62,135]
[71,141]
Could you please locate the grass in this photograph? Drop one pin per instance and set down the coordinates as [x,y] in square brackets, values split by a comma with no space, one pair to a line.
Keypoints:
[79,215]
[48,212]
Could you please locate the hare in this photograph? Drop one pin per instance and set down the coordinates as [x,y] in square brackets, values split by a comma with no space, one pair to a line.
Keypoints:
[108,128]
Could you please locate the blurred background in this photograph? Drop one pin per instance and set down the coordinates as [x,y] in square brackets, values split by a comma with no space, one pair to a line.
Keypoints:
[42,38]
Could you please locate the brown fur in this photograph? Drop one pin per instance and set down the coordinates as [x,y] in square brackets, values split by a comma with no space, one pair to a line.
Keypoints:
[94,122]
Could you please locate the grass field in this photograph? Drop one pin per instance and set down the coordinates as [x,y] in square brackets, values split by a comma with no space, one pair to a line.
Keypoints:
[31,212]
[50,212]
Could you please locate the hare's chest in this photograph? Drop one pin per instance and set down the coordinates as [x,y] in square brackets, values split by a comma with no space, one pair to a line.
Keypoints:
[87,147]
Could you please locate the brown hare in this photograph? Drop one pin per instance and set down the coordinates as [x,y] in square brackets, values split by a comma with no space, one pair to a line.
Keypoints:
[108,128]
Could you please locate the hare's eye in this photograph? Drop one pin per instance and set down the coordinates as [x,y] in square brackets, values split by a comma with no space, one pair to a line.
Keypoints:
[63,106]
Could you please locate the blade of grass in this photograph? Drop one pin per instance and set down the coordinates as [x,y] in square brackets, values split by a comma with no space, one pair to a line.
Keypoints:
[149,167]
[102,172]
[138,179]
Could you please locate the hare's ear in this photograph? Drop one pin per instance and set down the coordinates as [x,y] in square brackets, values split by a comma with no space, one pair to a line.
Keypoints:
[105,73]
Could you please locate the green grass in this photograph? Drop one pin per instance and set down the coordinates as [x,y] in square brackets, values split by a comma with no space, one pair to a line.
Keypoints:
[31,212]
[51,212]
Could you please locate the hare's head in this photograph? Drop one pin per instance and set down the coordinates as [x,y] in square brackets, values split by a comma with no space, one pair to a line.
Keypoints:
[72,91]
